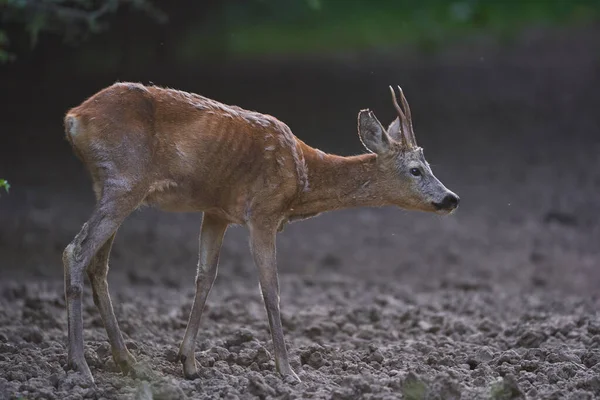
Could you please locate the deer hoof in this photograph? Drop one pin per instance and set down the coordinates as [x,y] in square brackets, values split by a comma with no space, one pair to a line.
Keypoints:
[190,371]
[290,377]
[125,361]
[191,375]
[81,367]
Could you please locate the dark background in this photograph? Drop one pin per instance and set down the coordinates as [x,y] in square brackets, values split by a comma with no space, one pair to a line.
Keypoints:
[505,103]
[505,97]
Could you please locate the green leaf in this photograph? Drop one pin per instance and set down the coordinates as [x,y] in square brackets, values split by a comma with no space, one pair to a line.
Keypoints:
[4,184]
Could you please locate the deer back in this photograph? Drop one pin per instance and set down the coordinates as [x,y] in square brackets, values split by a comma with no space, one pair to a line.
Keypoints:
[187,152]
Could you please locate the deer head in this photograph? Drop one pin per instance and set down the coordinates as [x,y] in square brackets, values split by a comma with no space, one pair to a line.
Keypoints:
[407,179]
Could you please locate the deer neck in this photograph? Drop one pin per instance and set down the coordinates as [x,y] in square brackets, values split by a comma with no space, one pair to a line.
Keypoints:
[336,182]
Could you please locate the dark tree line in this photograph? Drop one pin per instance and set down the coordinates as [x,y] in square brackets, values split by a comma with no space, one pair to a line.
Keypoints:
[73,20]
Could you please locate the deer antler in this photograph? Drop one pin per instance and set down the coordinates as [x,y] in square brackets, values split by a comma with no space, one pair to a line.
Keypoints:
[410,131]
[406,129]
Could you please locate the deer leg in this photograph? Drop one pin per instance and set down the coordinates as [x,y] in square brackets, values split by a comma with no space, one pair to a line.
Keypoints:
[97,272]
[106,218]
[262,244]
[211,238]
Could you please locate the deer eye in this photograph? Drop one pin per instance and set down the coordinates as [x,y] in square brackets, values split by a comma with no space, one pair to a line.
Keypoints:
[415,171]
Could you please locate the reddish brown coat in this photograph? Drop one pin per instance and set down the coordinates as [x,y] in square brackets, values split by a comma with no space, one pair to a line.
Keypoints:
[188,152]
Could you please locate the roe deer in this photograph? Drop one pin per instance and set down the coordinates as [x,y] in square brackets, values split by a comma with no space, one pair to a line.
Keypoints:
[180,151]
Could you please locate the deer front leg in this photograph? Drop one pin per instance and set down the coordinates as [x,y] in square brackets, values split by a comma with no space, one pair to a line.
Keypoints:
[262,244]
[211,238]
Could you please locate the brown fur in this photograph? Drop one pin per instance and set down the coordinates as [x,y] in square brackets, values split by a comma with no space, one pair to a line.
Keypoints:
[188,153]
[183,152]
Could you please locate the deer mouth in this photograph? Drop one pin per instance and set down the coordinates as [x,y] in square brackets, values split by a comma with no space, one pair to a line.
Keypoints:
[444,211]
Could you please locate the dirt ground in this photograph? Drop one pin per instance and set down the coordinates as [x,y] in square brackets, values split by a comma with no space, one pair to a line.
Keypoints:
[498,301]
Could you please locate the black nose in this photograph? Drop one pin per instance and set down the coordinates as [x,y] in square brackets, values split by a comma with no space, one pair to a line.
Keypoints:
[450,201]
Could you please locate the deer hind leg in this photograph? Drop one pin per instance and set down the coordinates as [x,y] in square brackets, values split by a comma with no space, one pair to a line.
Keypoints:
[211,237]
[97,272]
[262,245]
[109,213]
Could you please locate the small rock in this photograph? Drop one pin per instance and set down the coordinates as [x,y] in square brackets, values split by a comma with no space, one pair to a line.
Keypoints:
[163,389]
[262,355]
[530,365]
[532,393]
[246,357]
[254,367]
[220,353]
[306,354]
[592,384]
[54,380]
[531,339]
[509,357]
[222,366]
[290,380]
[484,354]
[206,360]
[17,376]
[591,358]
[258,387]
[563,356]
[103,350]
[594,328]
[132,345]
[316,360]
[171,355]
[535,354]
[7,348]
[376,356]
[240,336]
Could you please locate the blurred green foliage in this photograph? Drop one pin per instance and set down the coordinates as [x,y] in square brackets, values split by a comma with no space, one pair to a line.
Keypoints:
[4,185]
[283,27]
[73,20]
[414,390]
[291,26]
[5,56]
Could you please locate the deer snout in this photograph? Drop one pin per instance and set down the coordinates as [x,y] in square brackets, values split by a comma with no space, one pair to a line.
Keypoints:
[448,203]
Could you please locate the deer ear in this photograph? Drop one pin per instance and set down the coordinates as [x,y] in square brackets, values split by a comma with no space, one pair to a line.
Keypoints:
[393,130]
[371,133]
[395,133]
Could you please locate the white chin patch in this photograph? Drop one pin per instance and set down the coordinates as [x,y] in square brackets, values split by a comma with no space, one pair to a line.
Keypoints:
[445,212]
